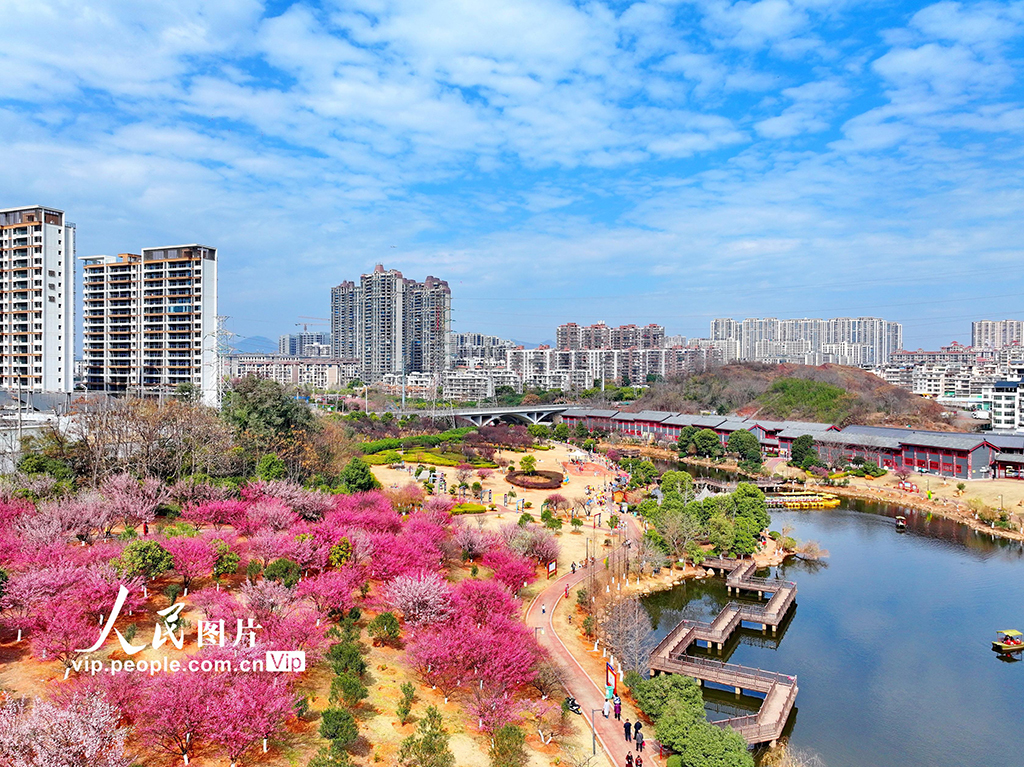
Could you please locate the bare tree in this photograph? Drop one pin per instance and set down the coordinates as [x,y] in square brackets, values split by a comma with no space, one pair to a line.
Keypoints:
[627,628]
[578,757]
[678,529]
[645,553]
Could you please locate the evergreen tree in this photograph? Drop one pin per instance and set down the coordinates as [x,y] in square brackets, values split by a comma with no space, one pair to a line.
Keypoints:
[508,747]
[428,746]
[357,477]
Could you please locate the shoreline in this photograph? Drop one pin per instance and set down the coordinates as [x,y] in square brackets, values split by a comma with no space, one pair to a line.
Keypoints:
[957,512]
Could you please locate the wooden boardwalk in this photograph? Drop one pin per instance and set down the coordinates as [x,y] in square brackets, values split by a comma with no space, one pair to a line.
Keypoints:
[779,690]
[729,486]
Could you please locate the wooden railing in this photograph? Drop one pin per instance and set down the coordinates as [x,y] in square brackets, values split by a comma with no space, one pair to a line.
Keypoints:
[670,655]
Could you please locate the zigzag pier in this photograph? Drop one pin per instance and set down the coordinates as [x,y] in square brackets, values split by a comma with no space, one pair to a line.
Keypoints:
[779,690]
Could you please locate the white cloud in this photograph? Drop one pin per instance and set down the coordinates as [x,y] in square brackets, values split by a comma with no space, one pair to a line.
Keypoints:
[526,143]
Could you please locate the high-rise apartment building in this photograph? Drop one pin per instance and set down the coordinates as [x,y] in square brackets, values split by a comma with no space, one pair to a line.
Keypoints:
[393,325]
[296,344]
[571,337]
[150,321]
[996,334]
[841,340]
[37,315]
[479,350]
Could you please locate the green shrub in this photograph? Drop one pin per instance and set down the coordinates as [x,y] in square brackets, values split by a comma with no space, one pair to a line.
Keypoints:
[469,508]
[270,468]
[227,561]
[589,624]
[405,704]
[652,696]
[340,553]
[147,559]
[428,746]
[384,629]
[348,688]
[346,656]
[508,747]
[253,570]
[633,679]
[330,757]
[283,570]
[338,725]
[582,599]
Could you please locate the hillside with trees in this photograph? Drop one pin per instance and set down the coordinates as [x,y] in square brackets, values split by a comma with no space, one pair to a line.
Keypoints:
[827,393]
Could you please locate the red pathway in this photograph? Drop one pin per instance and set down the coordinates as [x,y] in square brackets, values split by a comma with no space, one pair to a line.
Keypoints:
[578,683]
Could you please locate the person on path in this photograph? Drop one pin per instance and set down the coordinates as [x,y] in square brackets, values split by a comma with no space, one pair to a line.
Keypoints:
[543,610]
[627,728]
[629,760]
[607,707]
[638,738]
[617,704]
[639,761]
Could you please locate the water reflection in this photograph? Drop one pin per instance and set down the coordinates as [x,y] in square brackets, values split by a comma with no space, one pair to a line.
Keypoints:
[890,639]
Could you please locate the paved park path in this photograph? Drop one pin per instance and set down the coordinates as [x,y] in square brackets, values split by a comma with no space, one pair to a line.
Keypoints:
[588,692]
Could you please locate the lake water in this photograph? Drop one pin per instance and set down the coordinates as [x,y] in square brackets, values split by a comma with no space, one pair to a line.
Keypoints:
[890,640]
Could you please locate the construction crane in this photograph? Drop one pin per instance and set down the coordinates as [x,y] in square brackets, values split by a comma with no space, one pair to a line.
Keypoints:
[305,325]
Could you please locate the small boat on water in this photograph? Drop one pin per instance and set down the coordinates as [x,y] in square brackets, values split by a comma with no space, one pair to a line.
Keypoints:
[1010,640]
[901,523]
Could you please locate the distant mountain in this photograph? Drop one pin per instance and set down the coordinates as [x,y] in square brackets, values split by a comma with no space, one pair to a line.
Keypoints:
[532,344]
[254,345]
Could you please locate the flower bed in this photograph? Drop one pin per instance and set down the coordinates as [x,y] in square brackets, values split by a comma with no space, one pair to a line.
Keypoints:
[539,480]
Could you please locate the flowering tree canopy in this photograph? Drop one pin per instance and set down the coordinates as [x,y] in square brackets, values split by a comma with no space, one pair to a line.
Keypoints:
[422,599]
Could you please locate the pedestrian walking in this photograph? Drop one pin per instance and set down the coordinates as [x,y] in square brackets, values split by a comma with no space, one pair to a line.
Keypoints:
[629,760]
[543,609]
[607,707]
[638,738]
[627,730]
[639,761]
[617,706]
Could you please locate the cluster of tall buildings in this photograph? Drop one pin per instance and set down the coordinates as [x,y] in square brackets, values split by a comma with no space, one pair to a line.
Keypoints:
[305,345]
[997,334]
[572,337]
[392,325]
[855,341]
[149,319]
[150,325]
[987,377]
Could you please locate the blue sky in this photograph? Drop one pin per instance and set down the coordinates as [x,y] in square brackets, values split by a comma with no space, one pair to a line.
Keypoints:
[629,162]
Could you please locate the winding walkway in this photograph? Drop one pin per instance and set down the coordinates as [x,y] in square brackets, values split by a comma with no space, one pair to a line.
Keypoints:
[578,683]
[780,690]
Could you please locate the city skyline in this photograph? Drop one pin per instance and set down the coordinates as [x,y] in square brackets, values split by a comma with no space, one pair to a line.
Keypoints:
[786,157]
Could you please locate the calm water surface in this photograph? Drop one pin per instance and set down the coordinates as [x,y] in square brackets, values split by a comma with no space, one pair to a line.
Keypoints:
[890,640]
